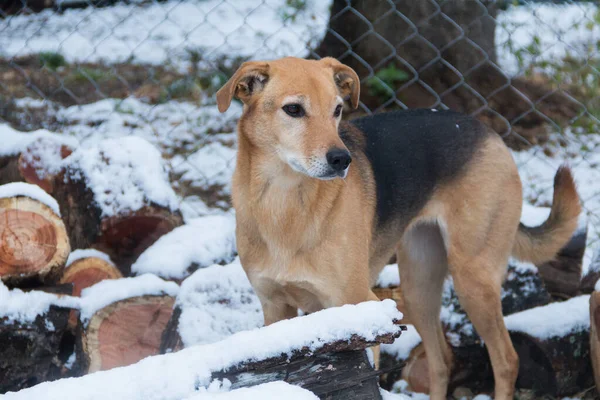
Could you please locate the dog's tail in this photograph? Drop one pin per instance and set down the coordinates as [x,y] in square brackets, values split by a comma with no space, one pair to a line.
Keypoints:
[542,243]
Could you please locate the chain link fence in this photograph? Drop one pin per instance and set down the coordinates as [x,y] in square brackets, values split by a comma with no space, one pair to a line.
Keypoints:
[96,69]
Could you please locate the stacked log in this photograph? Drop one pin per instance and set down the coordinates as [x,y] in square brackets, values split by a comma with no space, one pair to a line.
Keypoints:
[125,332]
[36,161]
[33,241]
[123,215]
[32,350]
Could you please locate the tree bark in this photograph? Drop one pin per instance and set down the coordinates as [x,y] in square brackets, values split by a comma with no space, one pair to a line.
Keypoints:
[124,332]
[171,341]
[447,52]
[34,352]
[33,242]
[123,237]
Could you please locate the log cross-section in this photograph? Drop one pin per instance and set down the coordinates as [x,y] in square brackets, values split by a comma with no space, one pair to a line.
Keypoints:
[33,242]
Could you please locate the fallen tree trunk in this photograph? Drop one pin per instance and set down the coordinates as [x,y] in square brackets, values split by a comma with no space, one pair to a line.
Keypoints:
[124,332]
[120,216]
[336,370]
[37,164]
[33,351]
[33,242]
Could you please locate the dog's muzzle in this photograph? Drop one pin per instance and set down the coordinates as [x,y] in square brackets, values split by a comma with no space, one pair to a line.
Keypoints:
[338,161]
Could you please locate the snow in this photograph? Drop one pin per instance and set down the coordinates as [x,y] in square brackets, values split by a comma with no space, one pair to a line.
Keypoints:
[32,191]
[178,375]
[86,253]
[385,395]
[266,391]
[124,175]
[403,345]
[14,142]
[552,320]
[200,243]
[107,292]
[205,317]
[389,277]
[16,305]
[560,28]
[167,32]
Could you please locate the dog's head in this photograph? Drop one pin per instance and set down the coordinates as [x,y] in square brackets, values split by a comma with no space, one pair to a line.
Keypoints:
[292,107]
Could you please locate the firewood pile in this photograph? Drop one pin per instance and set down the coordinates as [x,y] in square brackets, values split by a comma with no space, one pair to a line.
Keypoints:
[86,287]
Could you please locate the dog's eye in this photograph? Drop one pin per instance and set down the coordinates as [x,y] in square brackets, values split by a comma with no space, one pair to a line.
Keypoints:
[338,111]
[294,110]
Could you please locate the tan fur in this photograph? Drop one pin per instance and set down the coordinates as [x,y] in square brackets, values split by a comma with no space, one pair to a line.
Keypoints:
[310,244]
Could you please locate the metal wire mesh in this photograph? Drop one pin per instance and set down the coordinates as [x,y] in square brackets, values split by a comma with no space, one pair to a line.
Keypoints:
[97,69]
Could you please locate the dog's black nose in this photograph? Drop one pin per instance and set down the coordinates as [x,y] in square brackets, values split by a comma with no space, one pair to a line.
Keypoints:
[338,159]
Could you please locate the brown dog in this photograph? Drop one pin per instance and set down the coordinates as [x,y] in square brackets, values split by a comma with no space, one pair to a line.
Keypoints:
[439,189]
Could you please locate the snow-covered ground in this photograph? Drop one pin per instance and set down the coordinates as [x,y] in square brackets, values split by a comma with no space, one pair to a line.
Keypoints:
[165,32]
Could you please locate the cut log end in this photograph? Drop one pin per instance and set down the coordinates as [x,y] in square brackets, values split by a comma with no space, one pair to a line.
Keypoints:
[125,238]
[33,241]
[88,271]
[127,331]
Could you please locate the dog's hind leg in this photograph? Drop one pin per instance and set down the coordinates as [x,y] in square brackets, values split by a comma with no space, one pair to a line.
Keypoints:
[477,282]
[422,262]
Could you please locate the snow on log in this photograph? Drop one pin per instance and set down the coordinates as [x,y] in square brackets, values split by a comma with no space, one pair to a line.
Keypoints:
[286,343]
[595,336]
[267,391]
[116,197]
[123,321]
[33,240]
[85,268]
[32,157]
[32,327]
[562,275]
[216,302]
[200,243]
[553,345]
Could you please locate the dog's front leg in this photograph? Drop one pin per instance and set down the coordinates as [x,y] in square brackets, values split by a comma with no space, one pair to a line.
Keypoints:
[275,311]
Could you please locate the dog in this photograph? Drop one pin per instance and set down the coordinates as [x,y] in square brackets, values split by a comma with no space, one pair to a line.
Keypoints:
[322,205]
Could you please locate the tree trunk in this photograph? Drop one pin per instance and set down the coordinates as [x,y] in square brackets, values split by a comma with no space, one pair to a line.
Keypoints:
[438,53]
[33,242]
[124,332]
[123,237]
[29,166]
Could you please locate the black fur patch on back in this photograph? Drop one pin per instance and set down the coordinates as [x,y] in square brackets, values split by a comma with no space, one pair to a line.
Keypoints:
[413,151]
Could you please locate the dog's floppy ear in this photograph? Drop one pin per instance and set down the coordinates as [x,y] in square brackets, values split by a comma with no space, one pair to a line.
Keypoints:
[247,80]
[345,78]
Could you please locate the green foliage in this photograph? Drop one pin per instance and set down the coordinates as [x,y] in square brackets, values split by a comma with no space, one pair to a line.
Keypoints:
[185,88]
[52,60]
[385,81]
[86,74]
